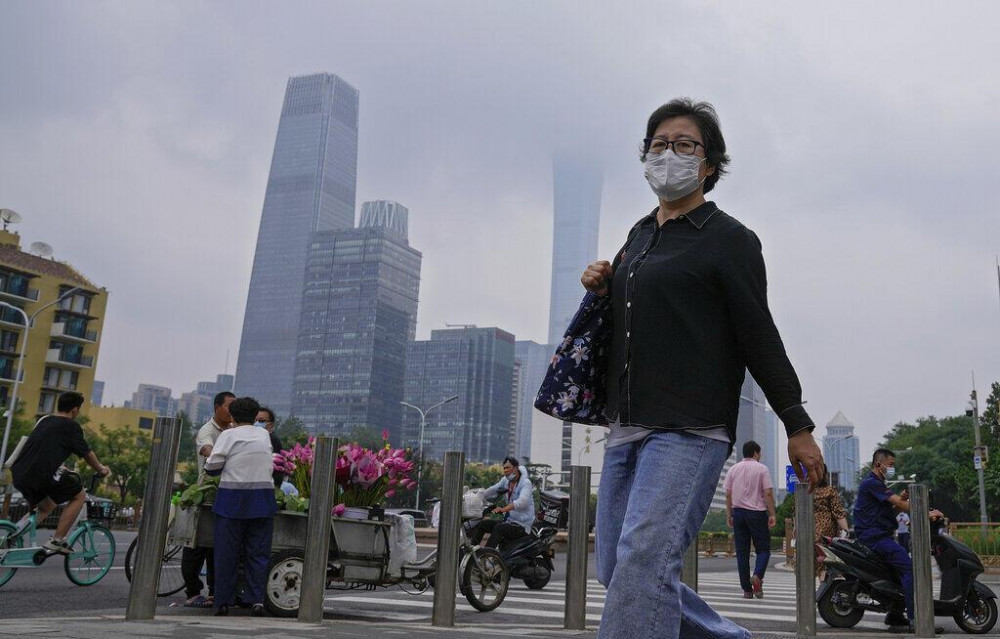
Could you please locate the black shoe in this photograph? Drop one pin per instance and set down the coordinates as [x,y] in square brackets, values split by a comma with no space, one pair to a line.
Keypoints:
[257,610]
[896,619]
[910,629]
[222,611]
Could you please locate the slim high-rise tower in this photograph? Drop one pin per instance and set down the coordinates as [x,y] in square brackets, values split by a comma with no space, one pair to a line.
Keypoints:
[311,188]
[576,191]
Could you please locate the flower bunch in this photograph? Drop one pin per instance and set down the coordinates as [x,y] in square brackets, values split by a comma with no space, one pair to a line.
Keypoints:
[367,477]
[297,463]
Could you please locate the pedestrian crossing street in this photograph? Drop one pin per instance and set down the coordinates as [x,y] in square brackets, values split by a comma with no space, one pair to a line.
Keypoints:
[545,607]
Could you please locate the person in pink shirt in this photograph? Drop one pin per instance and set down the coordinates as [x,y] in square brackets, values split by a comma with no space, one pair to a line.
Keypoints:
[750,513]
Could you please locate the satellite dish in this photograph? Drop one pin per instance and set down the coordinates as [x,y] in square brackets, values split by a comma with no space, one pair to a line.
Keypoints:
[7,216]
[41,249]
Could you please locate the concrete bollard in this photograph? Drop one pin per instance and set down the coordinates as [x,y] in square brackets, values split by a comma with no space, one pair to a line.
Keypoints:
[920,540]
[141,604]
[317,550]
[575,615]
[805,563]
[689,569]
[449,540]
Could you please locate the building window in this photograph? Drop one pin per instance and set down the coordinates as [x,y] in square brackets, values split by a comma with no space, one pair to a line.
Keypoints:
[146,423]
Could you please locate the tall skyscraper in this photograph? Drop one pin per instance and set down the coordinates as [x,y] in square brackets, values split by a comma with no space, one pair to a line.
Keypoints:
[477,365]
[534,359]
[842,452]
[97,393]
[311,188]
[359,310]
[576,195]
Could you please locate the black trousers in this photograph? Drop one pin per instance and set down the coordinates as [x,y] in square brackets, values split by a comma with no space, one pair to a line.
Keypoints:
[192,560]
[499,531]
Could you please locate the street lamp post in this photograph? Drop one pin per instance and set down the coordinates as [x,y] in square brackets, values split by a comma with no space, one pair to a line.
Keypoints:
[423,421]
[28,321]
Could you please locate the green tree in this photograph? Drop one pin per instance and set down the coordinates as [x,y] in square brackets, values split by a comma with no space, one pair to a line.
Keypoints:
[991,414]
[186,450]
[290,431]
[940,454]
[126,453]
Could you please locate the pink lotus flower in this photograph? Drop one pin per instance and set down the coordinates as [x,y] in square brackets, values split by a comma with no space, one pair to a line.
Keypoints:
[385,434]
[338,510]
[390,493]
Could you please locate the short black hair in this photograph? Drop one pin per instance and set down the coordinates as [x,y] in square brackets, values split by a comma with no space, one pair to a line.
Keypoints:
[707,120]
[270,413]
[881,455]
[512,461]
[244,410]
[220,398]
[751,448]
[68,401]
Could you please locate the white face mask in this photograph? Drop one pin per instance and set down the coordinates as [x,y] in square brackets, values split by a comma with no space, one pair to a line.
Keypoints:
[260,424]
[673,176]
[890,472]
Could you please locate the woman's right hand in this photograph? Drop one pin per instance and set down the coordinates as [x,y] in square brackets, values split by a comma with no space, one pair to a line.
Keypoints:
[597,276]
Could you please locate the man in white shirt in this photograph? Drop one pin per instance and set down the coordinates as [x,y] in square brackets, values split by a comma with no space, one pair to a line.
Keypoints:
[192,559]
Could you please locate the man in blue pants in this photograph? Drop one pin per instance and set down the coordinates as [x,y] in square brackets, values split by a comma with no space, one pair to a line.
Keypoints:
[875,522]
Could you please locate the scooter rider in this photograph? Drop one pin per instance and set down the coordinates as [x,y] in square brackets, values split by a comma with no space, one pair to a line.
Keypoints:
[875,522]
[519,511]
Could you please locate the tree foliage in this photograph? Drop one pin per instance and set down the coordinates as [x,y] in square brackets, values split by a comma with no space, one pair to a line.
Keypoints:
[290,431]
[940,454]
[126,453]
[991,413]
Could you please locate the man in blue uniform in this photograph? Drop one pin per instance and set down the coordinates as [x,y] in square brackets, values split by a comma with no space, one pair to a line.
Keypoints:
[875,523]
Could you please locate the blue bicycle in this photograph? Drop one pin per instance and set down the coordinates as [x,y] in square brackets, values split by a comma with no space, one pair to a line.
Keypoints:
[92,544]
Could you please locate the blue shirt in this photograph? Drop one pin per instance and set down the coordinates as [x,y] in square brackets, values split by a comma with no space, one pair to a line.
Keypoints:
[874,516]
[524,504]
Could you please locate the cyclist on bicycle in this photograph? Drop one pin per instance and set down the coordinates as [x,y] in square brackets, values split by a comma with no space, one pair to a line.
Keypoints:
[39,472]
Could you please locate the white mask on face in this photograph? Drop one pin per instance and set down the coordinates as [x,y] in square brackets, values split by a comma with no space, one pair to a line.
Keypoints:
[673,176]
[260,424]
[890,472]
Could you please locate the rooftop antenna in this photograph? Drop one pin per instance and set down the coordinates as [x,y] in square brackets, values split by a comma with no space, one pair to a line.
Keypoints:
[41,249]
[460,325]
[9,216]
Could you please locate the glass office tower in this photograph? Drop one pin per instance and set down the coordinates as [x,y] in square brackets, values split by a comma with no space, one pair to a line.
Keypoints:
[311,188]
[359,310]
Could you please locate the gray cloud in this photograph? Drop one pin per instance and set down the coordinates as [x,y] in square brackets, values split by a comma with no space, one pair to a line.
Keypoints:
[137,138]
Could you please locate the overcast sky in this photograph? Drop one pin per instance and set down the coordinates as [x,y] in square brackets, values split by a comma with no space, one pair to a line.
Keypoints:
[136,137]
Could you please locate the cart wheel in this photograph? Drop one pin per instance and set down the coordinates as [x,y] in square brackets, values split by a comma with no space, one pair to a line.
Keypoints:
[484,583]
[8,542]
[284,583]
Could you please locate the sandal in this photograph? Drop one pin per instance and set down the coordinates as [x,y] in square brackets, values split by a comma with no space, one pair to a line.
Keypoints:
[197,601]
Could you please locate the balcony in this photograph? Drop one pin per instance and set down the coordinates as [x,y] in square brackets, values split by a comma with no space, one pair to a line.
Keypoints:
[61,329]
[55,356]
[20,295]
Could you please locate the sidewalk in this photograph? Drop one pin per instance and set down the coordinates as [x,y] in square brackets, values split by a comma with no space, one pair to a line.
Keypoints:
[170,626]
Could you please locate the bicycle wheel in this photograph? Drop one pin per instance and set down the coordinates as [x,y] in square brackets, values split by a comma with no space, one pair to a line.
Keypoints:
[7,542]
[92,556]
[171,578]
[485,584]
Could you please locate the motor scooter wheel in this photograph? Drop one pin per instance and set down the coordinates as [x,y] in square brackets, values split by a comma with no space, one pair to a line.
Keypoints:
[979,615]
[836,606]
[540,580]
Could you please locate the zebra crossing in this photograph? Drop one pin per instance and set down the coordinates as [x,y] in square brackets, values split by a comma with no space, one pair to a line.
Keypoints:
[544,608]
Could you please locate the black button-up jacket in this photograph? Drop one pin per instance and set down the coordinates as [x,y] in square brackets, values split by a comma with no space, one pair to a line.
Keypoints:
[690,317]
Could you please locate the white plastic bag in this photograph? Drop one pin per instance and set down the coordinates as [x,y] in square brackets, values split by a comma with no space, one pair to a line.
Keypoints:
[402,542]
[473,503]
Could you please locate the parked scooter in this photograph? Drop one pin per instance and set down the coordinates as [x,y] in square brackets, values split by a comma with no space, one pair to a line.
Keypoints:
[858,580]
[530,557]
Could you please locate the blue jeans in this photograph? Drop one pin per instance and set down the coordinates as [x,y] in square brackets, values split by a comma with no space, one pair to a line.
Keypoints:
[899,559]
[751,525]
[653,498]
[251,540]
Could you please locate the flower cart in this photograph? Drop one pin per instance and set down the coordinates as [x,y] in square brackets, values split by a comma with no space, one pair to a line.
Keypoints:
[367,546]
